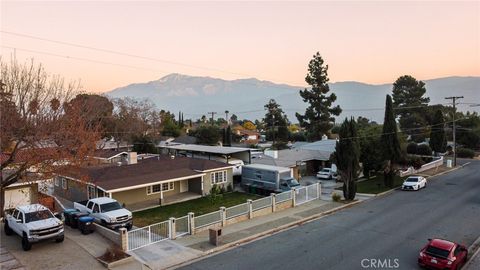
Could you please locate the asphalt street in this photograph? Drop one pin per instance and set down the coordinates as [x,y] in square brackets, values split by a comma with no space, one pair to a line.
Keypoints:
[390,228]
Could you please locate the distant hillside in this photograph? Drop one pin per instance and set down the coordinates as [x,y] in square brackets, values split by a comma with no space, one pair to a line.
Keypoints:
[195,96]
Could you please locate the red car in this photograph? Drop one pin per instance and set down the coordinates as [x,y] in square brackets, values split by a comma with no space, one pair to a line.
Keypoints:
[442,254]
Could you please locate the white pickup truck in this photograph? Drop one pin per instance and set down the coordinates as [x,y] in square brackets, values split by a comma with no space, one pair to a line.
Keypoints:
[34,223]
[107,212]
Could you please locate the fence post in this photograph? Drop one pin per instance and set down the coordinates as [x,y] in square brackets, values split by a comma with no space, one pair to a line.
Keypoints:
[223,215]
[250,209]
[294,195]
[319,190]
[150,234]
[274,201]
[124,239]
[191,223]
[172,233]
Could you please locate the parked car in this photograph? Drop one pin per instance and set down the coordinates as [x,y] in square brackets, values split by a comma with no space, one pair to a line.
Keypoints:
[414,183]
[442,254]
[107,212]
[34,223]
[327,173]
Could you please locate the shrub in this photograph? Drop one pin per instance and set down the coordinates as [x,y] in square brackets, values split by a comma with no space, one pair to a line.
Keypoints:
[416,162]
[465,153]
[412,148]
[215,193]
[336,197]
[230,188]
[424,150]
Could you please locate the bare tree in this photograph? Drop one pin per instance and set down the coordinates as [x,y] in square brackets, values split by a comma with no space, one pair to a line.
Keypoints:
[37,138]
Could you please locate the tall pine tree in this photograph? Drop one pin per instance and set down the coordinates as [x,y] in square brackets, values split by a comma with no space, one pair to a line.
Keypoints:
[319,116]
[411,106]
[347,155]
[390,144]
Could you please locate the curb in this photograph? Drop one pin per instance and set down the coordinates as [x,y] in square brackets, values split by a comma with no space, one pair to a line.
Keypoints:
[471,249]
[260,235]
[398,188]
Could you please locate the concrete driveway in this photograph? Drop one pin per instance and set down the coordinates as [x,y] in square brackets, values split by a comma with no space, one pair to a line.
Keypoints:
[50,255]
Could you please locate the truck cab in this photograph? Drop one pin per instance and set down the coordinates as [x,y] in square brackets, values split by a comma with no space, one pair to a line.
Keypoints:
[288,184]
[107,212]
[34,223]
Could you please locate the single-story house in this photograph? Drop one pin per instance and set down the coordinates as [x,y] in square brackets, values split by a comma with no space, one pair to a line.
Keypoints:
[143,183]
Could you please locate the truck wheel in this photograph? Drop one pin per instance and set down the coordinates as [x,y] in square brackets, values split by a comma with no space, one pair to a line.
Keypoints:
[25,244]
[60,239]
[8,231]
[129,227]
[104,223]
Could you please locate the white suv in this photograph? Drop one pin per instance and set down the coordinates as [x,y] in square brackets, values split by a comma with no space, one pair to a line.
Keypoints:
[34,223]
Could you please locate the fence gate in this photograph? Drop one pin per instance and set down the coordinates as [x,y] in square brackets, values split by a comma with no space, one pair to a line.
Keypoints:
[148,235]
[306,194]
[182,227]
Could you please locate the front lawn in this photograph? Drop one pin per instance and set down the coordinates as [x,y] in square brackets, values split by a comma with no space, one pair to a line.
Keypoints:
[198,206]
[375,185]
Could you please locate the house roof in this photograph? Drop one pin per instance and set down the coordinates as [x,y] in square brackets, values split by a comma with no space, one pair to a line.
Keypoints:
[145,172]
[107,153]
[222,150]
[290,157]
[323,145]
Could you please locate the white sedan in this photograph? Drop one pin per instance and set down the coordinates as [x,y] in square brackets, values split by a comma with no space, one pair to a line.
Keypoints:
[327,173]
[414,183]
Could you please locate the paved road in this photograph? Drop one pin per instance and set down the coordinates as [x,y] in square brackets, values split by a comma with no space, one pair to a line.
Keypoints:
[392,227]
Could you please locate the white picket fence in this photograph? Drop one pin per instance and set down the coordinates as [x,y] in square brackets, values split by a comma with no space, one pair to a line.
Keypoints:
[175,227]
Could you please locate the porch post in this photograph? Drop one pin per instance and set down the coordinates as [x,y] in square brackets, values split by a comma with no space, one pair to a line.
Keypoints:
[191,223]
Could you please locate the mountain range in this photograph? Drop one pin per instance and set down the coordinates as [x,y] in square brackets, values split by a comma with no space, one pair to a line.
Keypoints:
[196,96]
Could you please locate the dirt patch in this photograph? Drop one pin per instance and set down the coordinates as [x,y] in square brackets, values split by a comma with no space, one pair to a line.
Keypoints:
[113,254]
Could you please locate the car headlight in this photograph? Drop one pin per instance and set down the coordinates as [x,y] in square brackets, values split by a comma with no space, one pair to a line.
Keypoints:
[112,219]
[449,262]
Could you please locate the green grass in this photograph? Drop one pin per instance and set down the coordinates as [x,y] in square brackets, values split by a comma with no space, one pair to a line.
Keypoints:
[375,185]
[198,206]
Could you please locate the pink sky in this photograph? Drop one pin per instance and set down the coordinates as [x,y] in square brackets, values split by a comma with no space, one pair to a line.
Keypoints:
[372,42]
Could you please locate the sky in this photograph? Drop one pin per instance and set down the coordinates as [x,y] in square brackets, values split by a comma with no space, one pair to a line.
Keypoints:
[367,41]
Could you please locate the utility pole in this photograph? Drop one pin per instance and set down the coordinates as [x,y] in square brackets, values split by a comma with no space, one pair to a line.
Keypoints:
[212,113]
[454,130]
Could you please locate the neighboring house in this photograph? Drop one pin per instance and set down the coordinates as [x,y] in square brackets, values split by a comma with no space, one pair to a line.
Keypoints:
[112,144]
[303,158]
[247,135]
[148,182]
[20,193]
[112,156]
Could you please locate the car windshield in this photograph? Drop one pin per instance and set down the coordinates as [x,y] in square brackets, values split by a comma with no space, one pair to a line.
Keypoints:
[110,207]
[293,183]
[36,216]
[412,179]
[437,252]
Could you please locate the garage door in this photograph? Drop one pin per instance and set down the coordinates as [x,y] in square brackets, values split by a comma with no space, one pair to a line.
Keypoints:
[16,197]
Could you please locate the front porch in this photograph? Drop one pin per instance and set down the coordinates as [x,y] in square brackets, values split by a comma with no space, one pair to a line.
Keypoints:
[175,198]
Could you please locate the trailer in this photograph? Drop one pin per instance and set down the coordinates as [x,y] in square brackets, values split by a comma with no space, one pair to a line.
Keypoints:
[260,178]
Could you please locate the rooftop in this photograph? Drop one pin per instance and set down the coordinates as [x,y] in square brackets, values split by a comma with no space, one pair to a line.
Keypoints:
[267,167]
[222,150]
[145,172]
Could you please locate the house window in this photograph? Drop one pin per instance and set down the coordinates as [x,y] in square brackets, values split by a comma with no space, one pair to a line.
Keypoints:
[57,182]
[218,177]
[64,183]
[168,186]
[160,187]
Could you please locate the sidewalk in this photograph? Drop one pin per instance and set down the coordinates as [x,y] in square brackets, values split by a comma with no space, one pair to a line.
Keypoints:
[241,230]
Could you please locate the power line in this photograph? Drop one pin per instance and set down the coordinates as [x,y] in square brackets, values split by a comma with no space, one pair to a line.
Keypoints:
[123,53]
